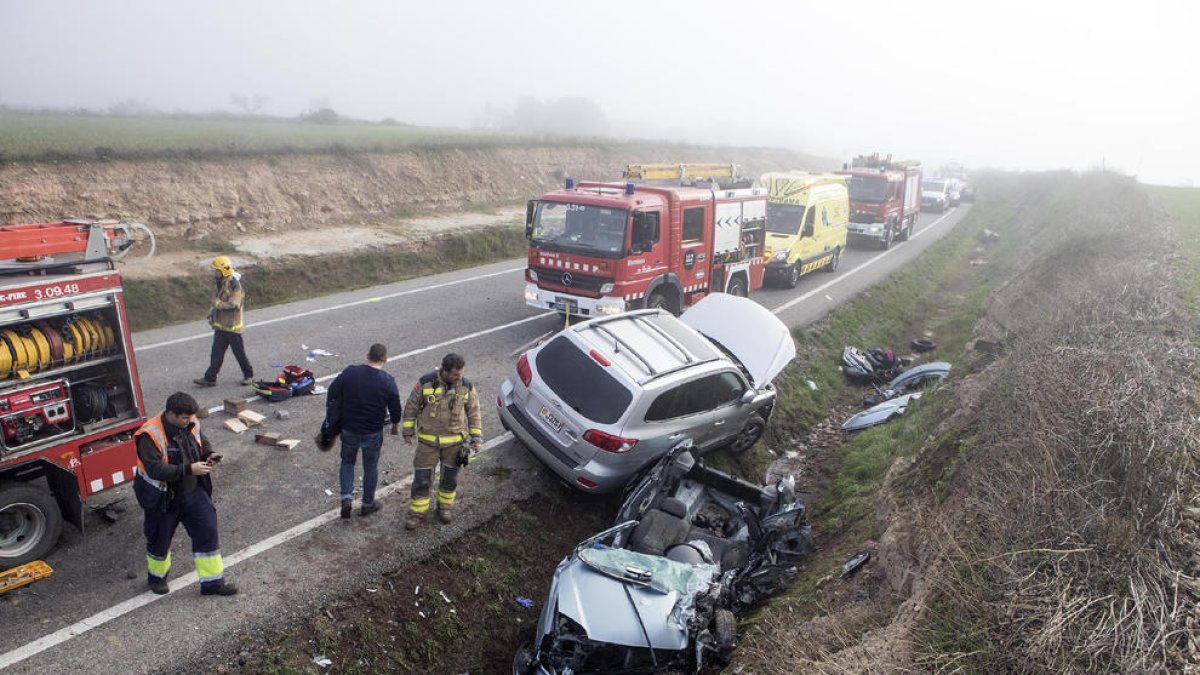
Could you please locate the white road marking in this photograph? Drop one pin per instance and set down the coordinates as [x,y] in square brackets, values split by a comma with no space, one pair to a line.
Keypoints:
[795,301]
[120,609]
[322,310]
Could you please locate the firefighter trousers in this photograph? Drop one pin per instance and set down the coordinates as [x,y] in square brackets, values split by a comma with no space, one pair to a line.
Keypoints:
[426,460]
[199,517]
[224,340]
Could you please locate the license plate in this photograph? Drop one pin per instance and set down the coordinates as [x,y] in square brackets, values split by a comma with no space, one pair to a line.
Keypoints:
[550,419]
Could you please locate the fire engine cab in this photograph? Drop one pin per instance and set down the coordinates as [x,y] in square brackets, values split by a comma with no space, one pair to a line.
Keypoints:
[69,393]
[668,236]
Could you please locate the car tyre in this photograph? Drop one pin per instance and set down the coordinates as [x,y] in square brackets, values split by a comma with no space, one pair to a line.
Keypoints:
[737,287]
[658,301]
[793,275]
[30,523]
[725,628]
[906,233]
[835,261]
[750,434]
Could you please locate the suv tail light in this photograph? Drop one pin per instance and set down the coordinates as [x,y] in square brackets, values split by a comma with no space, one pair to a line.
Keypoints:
[523,369]
[608,442]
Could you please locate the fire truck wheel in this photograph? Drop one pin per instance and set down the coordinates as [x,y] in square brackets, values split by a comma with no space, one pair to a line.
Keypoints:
[737,286]
[30,522]
[906,233]
[658,301]
[886,242]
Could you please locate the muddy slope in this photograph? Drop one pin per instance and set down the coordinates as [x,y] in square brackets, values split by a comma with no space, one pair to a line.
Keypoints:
[188,199]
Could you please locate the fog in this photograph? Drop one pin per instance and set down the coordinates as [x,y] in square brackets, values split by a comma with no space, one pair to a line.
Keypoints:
[1017,85]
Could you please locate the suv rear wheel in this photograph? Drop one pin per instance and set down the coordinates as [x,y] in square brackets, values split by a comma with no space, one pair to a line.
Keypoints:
[751,432]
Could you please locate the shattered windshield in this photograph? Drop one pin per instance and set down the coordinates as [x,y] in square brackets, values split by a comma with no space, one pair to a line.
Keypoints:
[581,228]
[784,218]
[650,571]
[863,189]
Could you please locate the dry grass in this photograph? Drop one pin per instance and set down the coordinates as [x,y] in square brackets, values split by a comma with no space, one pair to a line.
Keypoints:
[1067,554]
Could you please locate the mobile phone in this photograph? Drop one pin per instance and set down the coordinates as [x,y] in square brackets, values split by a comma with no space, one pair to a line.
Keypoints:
[214,458]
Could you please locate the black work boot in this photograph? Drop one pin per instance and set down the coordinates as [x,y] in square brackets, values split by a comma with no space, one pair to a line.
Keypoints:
[346,508]
[224,589]
[160,586]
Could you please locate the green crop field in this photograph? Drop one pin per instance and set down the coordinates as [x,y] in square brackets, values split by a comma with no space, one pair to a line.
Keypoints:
[27,136]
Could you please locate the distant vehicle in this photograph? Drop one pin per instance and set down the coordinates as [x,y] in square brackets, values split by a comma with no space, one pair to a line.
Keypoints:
[885,199]
[956,171]
[935,195]
[658,592]
[806,224]
[602,399]
[955,187]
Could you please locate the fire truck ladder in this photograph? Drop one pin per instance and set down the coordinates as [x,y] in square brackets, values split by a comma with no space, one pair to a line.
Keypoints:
[679,171]
[69,242]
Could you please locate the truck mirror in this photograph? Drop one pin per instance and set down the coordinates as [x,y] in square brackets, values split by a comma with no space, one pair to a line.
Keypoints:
[530,207]
[808,230]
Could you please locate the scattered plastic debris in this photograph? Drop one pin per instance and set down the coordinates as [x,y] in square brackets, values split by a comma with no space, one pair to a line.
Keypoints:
[791,454]
[319,352]
[854,563]
[443,594]
[282,414]
[318,390]
[525,602]
[278,365]
[329,492]
[322,661]
[829,298]
[811,385]
[422,615]
[417,590]
[372,590]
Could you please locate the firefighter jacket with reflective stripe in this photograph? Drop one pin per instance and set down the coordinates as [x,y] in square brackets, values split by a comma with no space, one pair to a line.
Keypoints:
[165,452]
[228,298]
[442,414]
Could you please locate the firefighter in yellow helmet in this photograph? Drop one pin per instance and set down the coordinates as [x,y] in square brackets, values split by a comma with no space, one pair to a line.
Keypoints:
[225,317]
[442,412]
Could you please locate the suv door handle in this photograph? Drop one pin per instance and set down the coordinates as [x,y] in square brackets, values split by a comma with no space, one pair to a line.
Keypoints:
[717,424]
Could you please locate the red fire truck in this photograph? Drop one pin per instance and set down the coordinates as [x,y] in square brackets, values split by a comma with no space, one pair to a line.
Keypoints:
[885,199]
[604,248]
[69,393]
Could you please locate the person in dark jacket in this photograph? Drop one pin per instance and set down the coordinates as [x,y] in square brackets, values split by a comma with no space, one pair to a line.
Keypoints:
[358,400]
[226,318]
[173,485]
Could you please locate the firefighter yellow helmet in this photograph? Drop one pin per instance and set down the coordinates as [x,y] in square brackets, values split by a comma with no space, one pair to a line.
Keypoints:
[223,264]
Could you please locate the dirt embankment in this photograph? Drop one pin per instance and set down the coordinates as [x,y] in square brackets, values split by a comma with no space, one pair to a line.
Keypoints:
[188,200]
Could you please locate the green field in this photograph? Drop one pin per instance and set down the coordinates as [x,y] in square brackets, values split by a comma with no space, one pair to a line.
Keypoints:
[1184,206]
[27,136]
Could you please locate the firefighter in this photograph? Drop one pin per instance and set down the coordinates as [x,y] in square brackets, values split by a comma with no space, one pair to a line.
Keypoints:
[443,413]
[173,485]
[225,317]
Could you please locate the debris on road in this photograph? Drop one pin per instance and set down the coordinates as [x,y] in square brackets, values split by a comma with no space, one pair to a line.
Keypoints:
[251,418]
[282,414]
[235,425]
[811,385]
[444,597]
[322,661]
[525,602]
[288,444]
[328,492]
[267,437]
[922,345]
[234,406]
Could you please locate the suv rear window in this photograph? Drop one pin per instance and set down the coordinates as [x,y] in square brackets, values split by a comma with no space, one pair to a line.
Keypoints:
[581,383]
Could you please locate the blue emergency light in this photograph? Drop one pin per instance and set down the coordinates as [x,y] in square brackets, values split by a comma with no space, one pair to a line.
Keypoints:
[570,183]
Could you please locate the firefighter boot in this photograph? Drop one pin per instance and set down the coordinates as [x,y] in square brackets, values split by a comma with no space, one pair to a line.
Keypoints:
[414,520]
[445,513]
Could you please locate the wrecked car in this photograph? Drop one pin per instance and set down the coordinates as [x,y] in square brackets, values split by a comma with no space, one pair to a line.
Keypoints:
[880,412]
[893,400]
[658,592]
[872,366]
[603,399]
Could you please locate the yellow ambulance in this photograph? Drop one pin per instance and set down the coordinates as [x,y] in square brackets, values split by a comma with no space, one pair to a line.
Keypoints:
[807,213]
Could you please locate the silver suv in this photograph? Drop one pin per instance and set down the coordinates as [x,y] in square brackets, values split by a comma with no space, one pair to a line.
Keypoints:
[600,400]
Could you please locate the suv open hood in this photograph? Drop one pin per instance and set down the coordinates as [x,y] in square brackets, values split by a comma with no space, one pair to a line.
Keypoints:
[750,332]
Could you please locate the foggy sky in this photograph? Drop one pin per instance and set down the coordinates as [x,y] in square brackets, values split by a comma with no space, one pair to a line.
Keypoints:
[1022,85]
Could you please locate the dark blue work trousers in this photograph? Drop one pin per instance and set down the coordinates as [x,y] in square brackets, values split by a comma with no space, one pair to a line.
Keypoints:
[370,445]
[195,510]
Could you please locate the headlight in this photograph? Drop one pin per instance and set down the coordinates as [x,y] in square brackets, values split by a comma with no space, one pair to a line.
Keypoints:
[531,293]
[532,275]
[875,228]
[607,288]
[780,256]
[610,306]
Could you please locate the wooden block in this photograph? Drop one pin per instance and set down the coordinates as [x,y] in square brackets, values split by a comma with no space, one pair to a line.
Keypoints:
[235,425]
[288,444]
[233,406]
[267,437]
[251,418]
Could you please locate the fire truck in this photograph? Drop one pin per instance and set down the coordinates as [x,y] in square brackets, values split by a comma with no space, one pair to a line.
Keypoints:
[666,237]
[885,199]
[69,393]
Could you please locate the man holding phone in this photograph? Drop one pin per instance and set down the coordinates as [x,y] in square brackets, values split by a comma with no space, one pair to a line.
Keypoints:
[173,485]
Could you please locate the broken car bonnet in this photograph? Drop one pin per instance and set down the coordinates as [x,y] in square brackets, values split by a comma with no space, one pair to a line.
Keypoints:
[750,332]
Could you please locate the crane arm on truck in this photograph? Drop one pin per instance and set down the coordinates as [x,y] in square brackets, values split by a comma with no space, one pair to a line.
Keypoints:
[81,240]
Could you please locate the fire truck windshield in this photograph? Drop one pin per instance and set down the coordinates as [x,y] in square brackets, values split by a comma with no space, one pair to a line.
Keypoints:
[866,189]
[784,218]
[592,230]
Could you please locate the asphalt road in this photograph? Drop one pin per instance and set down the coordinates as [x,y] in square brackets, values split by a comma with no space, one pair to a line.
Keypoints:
[282,540]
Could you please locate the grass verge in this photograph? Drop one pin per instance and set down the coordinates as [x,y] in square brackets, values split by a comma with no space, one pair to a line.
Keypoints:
[158,302]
